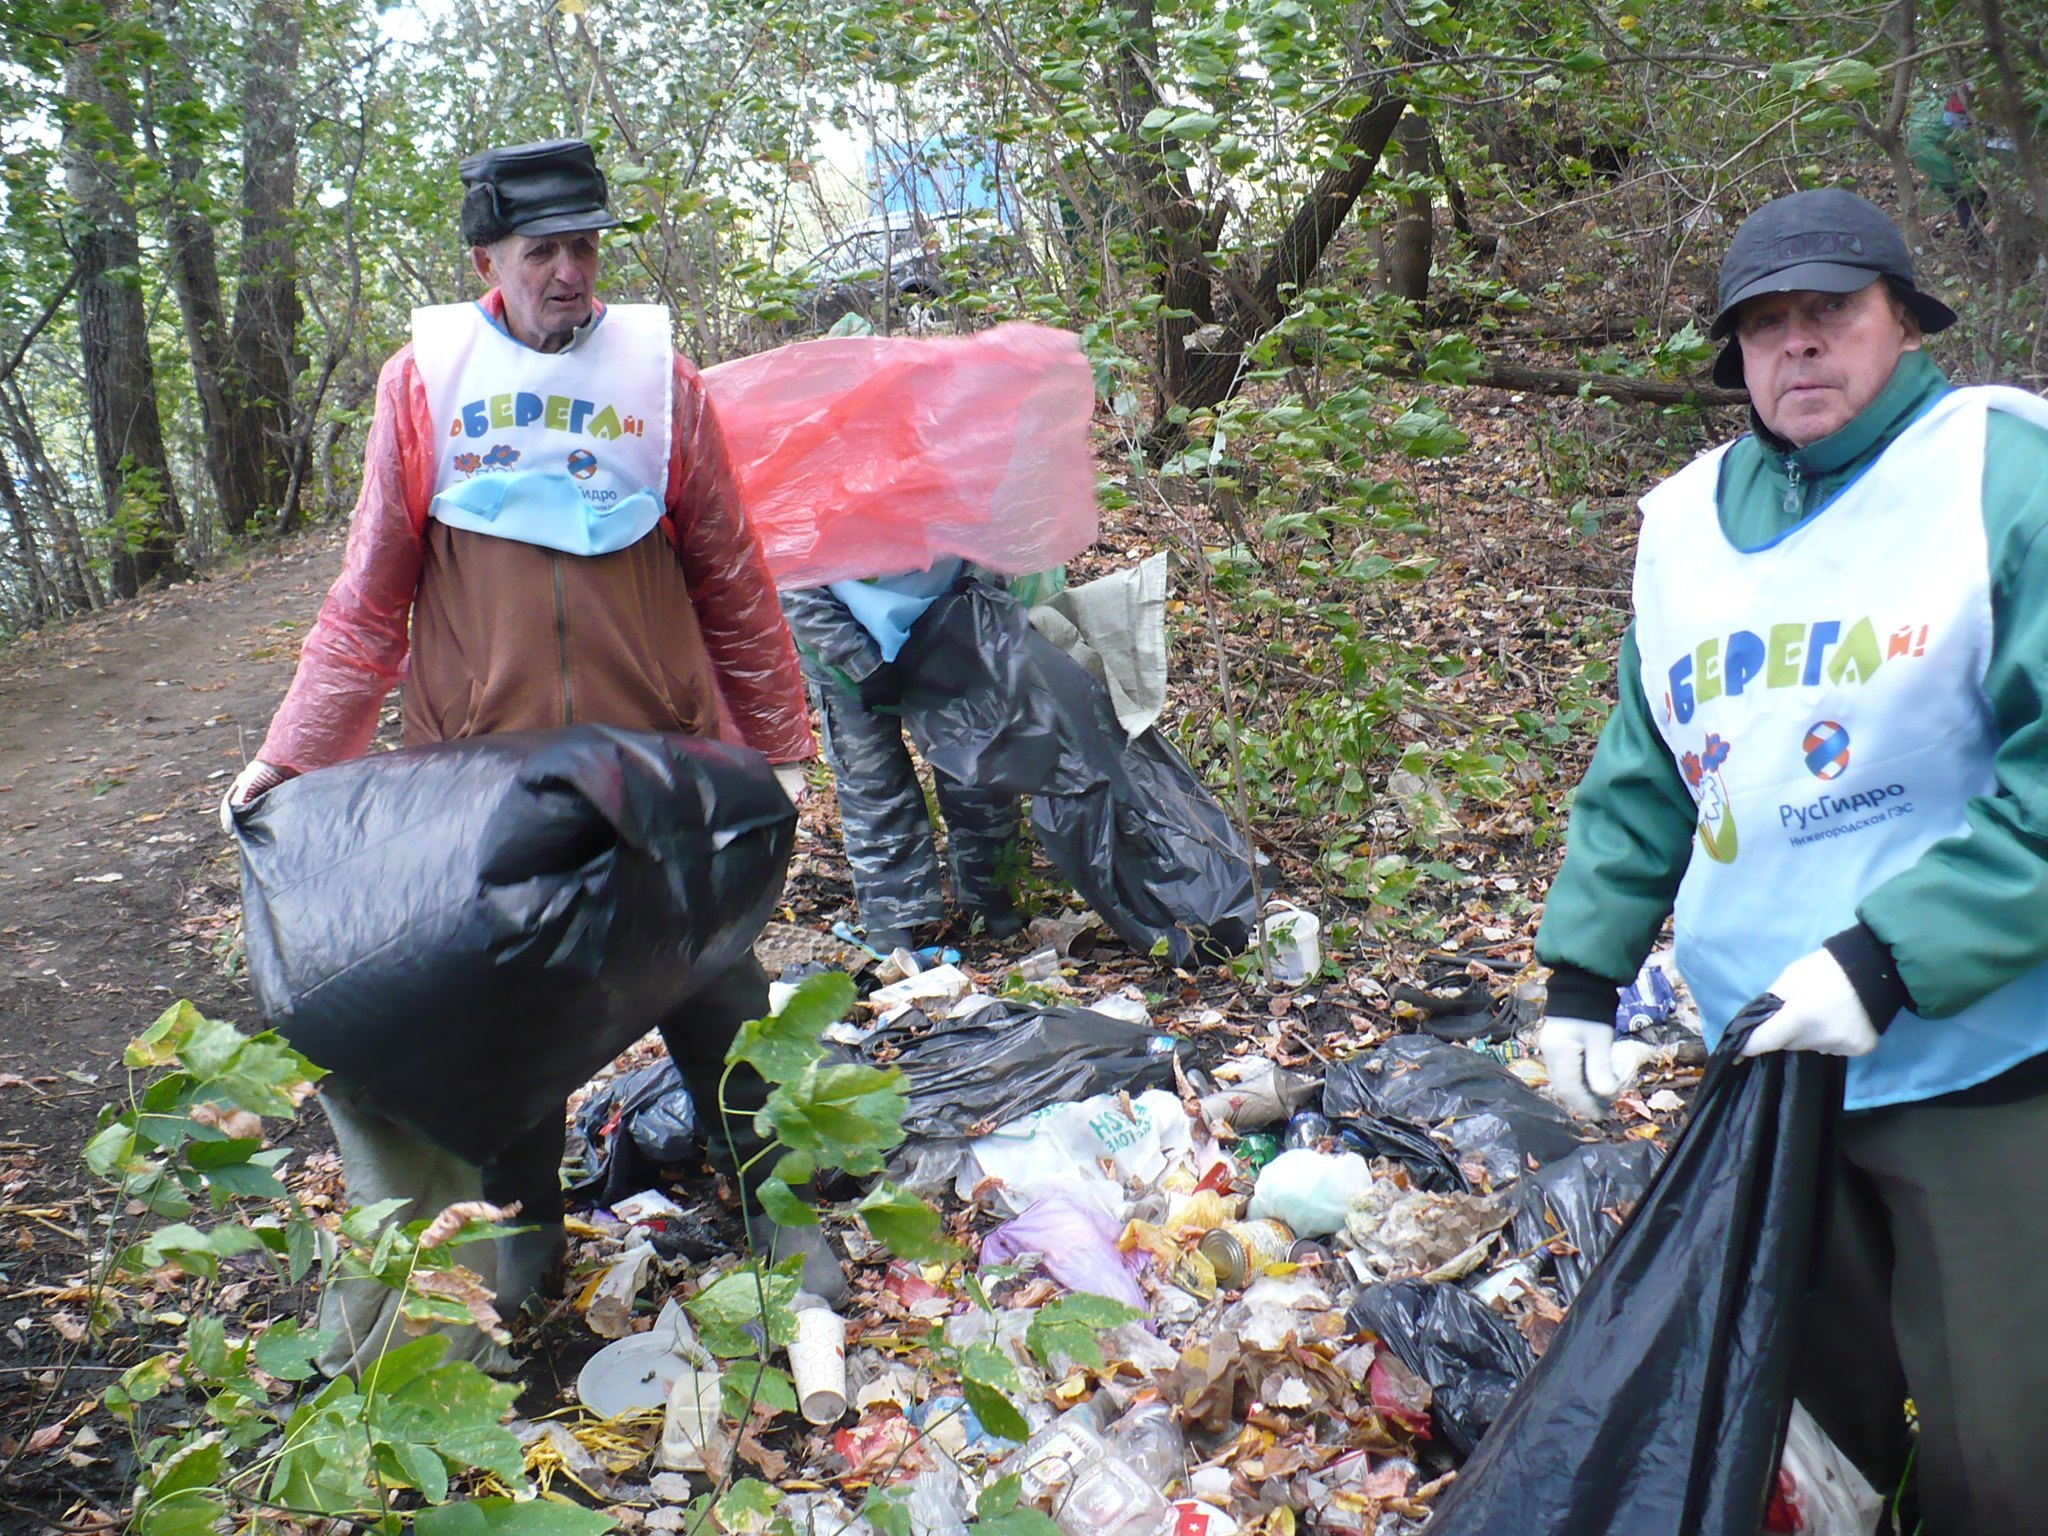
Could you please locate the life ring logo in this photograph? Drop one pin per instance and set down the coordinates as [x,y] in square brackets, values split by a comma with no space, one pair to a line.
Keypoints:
[1702,770]
[582,463]
[1827,750]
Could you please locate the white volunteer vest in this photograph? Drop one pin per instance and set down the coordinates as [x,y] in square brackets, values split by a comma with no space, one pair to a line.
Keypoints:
[1823,698]
[568,450]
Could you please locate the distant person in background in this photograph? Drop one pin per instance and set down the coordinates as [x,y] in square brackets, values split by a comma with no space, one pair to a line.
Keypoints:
[549,534]
[1828,763]
[848,635]
[1943,148]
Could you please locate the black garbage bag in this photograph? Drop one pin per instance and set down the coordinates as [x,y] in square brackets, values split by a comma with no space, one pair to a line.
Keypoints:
[964,1077]
[631,1129]
[1427,1162]
[1661,1403]
[1469,1354]
[993,703]
[1492,1114]
[1584,1199]
[465,932]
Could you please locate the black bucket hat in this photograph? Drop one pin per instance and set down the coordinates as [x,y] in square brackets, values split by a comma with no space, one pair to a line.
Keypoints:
[550,188]
[1825,241]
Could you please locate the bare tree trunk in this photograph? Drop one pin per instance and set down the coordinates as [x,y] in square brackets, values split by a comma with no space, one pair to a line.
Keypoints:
[1196,376]
[1413,247]
[264,344]
[141,499]
[42,596]
[76,583]
[1177,231]
[1291,261]
[1900,23]
[195,277]
[339,334]
[2012,103]
[1576,383]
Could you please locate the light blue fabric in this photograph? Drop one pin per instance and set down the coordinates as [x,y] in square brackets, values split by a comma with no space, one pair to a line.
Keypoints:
[546,507]
[888,606]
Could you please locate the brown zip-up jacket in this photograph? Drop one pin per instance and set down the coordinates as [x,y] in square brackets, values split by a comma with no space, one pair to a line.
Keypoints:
[509,636]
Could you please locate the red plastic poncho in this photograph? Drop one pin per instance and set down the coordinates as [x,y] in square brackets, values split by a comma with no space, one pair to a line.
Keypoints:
[355,652]
[863,456]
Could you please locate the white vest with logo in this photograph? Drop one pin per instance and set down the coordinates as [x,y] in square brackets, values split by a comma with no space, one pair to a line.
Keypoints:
[1823,698]
[568,450]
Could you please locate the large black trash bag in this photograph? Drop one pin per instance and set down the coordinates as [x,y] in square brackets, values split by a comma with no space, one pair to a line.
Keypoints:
[636,1125]
[1573,1197]
[1428,1164]
[465,932]
[1661,1404]
[964,1077]
[1492,1114]
[1469,1354]
[994,704]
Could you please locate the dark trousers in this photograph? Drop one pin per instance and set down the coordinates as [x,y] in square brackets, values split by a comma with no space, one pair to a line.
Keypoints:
[697,1035]
[888,830]
[1932,1286]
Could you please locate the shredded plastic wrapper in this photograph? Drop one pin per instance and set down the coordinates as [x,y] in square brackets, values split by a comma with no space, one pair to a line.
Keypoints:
[862,456]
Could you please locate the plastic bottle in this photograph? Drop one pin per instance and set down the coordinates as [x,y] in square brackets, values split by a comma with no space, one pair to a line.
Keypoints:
[1308,1129]
[1255,1149]
[1052,1459]
[938,1502]
[1110,1497]
[1151,1441]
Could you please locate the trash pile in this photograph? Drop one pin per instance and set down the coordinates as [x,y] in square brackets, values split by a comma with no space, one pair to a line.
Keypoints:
[1305,1290]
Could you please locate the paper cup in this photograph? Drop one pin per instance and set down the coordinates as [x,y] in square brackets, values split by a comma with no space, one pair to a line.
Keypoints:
[817,1360]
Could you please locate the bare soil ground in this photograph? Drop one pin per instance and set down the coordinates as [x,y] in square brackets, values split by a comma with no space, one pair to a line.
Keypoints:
[118,896]
[117,736]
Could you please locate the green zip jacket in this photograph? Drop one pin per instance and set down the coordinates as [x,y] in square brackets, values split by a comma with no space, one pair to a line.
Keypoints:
[1972,912]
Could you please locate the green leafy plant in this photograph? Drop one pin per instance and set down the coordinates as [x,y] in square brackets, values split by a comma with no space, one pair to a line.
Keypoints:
[189,1151]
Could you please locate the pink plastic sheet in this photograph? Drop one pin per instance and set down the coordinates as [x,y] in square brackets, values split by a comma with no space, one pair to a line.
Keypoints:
[864,456]
[1076,1240]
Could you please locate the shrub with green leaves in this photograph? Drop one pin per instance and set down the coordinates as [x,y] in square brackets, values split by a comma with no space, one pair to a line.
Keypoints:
[266,1446]
[405,1446]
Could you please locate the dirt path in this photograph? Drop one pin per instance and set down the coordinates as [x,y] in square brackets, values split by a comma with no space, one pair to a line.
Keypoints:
[117,737]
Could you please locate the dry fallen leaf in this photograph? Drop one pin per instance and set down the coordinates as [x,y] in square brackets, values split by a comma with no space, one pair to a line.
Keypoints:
[460,1214]
[774,1464]
[235,1124]
[463,1286]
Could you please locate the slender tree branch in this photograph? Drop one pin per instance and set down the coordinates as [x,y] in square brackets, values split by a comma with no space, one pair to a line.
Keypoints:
[56,302]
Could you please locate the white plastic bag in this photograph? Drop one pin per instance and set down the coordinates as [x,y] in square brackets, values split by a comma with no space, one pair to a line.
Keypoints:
[1062,1148]
[1820,1492]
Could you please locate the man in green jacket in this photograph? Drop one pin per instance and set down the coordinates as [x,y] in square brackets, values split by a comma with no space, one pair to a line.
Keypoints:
[1828,763]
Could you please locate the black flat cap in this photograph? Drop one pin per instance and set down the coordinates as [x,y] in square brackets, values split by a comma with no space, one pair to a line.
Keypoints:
[1825,241]
[550,188]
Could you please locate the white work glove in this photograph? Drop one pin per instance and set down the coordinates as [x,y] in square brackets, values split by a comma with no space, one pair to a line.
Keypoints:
[1822,1012]
[1579,1055]
[793,781]
[254,781]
